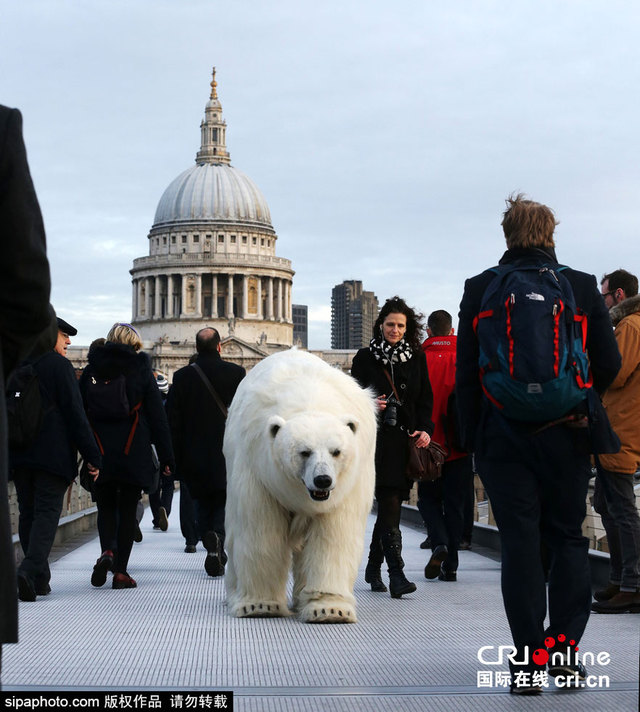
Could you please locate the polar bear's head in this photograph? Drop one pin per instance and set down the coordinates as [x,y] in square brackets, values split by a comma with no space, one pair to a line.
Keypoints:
[313,450]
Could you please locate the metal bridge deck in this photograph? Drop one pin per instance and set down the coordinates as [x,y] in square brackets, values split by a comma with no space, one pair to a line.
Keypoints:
[173,633]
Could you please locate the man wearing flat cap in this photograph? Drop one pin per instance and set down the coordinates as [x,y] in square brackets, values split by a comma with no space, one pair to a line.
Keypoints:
[65,330]
[43,470]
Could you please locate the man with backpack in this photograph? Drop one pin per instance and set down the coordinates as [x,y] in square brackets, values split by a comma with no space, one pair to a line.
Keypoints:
[534,343]
[615,498]
[44,462]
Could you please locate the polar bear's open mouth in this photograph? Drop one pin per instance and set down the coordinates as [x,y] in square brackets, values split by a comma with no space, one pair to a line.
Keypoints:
[319,495]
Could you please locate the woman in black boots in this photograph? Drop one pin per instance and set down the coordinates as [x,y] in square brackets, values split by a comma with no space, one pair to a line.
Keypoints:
[394,366]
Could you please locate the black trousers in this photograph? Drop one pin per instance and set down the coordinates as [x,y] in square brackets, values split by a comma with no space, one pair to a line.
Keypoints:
[537,487]
[210,513]
[40,499]
[117,504]
[188,519]
[442,503]
[162,497]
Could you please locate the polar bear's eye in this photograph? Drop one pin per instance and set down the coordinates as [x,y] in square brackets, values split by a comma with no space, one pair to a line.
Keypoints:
[305,453]
[336,453]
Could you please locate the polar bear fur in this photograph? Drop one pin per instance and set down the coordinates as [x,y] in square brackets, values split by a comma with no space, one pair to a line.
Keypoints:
[297,429]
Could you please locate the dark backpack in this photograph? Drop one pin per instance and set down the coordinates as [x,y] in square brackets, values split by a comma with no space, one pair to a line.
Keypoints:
[107,399]
[532,338]
[25,408]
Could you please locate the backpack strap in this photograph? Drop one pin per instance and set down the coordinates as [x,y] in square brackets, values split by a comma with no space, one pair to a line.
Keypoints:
[136,419]
[211,389]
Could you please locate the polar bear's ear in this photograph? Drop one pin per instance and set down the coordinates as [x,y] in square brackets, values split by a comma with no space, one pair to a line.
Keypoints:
[274,424]
[351,423]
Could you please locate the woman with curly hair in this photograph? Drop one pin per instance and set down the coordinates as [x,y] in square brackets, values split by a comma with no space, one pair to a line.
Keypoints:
[395,368]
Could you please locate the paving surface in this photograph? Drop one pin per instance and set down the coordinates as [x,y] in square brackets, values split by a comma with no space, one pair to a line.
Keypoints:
[173,633]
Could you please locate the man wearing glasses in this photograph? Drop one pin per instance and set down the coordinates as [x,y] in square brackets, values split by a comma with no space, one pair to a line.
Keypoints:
[614,496]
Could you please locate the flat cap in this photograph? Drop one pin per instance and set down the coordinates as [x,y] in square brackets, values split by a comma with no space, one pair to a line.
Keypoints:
[66,327]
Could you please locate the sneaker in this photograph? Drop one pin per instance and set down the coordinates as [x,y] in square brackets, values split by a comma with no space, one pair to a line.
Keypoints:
[26,589]
[464,545]
[622,602]
[213,564]
[103,565]
[163,520]
[190,549]
[137,534]
[447,575]
[432,569]
[604,594]
[123,581]
[426,544]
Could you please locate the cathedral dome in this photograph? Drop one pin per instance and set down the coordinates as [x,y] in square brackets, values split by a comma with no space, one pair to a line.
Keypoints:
[212,191]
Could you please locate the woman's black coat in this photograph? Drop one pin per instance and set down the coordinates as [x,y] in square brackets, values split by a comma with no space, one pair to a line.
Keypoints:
[411,380]
[138,466]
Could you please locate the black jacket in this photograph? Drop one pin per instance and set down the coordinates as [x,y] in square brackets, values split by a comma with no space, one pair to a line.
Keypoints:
[65,428]
[197,423]
[142,427]
[601,344]
[411,379]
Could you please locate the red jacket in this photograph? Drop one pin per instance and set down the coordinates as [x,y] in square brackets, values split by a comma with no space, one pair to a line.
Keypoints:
[441,365]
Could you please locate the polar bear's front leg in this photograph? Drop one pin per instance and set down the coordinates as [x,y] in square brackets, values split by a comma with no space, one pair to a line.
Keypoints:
[325,569]
[259,556]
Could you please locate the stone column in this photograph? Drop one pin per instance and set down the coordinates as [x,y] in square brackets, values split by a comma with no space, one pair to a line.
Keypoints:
[214,295]
[260,315]
[139,302]
[134,299]
[198,295]
[158,305]
[245,296]
[279,306]
[149,281]
[289,306]
[183,306]
[270,300]
[169,311]
[230,297]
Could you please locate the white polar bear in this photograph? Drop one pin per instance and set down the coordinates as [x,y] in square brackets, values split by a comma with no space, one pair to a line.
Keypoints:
[299,446]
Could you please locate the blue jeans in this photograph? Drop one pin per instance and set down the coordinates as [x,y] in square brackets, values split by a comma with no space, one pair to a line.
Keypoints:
[615,502]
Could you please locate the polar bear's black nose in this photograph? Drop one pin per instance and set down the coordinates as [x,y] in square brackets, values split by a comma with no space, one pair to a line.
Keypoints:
[322,481]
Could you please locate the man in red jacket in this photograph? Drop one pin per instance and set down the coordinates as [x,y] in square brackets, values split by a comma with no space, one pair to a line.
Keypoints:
[441,503]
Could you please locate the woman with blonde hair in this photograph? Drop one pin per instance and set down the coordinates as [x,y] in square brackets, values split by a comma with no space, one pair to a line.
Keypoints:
[125,409]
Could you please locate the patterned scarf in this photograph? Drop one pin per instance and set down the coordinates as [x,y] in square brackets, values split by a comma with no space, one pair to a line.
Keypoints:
[390,353]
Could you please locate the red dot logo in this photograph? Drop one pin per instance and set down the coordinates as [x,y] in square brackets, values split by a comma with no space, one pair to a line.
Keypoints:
[562,637]
[549,642]
[572,642]
[540,656]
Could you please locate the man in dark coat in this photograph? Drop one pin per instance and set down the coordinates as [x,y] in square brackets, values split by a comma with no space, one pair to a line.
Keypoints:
[43,470]
[24,314]
[536,477]
[197,423]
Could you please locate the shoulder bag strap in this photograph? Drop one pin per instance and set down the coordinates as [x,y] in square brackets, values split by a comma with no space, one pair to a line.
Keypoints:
[386,373]
[211,389]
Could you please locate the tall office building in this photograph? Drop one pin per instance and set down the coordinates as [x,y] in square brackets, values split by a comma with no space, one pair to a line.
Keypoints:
[353,314]
[300,325]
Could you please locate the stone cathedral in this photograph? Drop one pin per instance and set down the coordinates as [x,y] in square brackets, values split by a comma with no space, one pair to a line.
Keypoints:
[212,262]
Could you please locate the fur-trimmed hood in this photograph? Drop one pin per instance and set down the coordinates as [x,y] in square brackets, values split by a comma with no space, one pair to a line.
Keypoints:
[625,308]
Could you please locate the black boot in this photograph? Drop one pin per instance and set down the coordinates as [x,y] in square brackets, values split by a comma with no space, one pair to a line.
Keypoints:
[392,546]
[376,557]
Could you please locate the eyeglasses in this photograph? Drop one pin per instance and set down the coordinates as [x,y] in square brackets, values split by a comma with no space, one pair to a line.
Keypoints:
[608,294]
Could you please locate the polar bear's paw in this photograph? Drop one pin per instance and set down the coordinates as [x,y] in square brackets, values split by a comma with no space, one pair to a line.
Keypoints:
[331,611]
[260,609]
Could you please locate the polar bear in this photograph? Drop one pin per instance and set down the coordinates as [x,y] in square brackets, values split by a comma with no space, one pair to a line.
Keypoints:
[299,446]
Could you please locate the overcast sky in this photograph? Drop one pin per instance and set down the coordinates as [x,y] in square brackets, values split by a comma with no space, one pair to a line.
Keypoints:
[384,136]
